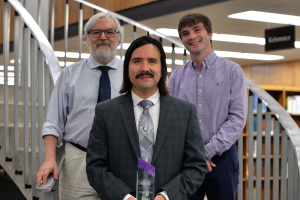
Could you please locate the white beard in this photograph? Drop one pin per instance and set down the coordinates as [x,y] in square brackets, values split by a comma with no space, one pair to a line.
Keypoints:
[105,52]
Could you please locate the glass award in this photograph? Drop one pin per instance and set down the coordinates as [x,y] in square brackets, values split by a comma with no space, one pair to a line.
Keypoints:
[145,180]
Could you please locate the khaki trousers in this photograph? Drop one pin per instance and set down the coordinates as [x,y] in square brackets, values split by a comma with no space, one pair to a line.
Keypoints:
[73,183]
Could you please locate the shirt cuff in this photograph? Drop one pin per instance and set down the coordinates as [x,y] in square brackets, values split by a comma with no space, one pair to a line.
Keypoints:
[209,151]
[127,196]
[164,193]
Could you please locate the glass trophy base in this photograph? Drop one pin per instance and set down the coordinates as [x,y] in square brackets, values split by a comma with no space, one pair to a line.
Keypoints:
[145,180]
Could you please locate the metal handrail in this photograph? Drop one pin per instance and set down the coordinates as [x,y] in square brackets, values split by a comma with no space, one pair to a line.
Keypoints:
[40,37]
[286,120]
[50,60]
[281,114]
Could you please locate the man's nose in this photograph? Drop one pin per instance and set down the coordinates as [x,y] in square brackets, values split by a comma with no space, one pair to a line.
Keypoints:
[192,35]
[102,35]
[145,66]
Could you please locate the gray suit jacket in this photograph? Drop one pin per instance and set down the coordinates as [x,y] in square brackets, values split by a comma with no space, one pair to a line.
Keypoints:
[113,149]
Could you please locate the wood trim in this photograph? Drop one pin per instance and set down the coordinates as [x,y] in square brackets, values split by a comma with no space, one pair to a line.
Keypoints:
[113,5]
[275,76]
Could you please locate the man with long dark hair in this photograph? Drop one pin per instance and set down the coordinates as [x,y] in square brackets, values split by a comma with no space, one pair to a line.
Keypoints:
[165,134]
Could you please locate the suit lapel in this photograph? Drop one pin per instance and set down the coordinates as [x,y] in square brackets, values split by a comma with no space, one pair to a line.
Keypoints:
[165,117]
[127,113]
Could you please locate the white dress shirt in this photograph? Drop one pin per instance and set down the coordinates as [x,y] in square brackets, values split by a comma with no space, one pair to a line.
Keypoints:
[72,104]
[154,112]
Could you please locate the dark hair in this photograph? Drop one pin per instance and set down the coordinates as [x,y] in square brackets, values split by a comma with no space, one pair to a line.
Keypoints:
[127,85]
[191,19]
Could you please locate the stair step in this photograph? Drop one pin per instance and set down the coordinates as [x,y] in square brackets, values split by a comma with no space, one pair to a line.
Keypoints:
[20,108]
[9,166]
[21,136]
[20,95]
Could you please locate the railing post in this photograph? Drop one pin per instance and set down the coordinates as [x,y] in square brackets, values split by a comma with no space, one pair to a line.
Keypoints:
[291,164]
[26,66]
[16,92]
[284,163]
[267,186]
[52,23]
[134,33]
[122,39]
[258,150]
[66,31]
[241,164]
[40,69]
[295,179]
[276,161]
[33,63]
[47,86]
[6,33]
[184,56]
[80,29]
[173,57]
[250,146]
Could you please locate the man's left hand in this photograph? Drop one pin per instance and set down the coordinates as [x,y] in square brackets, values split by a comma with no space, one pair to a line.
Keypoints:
[209,165]
[160,197]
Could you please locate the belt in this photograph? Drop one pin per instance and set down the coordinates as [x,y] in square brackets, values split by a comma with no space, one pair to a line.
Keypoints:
[236,143]
[78,146]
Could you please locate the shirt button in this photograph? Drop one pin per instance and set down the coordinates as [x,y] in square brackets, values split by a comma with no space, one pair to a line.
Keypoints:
[199,120]
[200,76]
[200,90]
[199,105]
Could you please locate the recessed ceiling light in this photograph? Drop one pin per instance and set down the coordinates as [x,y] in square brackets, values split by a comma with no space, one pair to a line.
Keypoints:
[179,50]
[9,68]
[168,32]
[252,56]
[219,37]
[267,17]
[238,39]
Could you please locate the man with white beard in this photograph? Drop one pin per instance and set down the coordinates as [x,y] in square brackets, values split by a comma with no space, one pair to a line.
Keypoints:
[70,113]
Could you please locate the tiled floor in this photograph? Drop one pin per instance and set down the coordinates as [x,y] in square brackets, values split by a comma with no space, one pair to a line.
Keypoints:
[8,189]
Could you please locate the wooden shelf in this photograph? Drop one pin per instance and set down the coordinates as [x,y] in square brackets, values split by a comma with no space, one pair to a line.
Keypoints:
[263,113]
[272,87]
[262,157]
[280,88]
[295,115]
[263,135]
[270,78]
[262,179]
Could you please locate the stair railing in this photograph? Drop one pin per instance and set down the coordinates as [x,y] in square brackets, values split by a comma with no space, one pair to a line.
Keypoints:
[286,183]
[36,69]
[288,143]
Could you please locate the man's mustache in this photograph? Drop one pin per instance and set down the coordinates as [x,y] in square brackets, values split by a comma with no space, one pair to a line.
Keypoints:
[103,43]
[144,74]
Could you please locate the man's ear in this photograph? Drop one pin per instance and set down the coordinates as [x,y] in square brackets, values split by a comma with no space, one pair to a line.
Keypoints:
[119,39]
[87,40]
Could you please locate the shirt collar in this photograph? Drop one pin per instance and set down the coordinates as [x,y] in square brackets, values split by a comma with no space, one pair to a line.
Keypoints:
[94,63]
[154,98]
[208,61]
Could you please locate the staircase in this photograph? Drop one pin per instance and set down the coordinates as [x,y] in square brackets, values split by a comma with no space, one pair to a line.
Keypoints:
[8,162]
[37,72]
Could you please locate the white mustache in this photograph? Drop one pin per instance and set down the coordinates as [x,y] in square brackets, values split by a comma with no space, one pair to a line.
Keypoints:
[103,43]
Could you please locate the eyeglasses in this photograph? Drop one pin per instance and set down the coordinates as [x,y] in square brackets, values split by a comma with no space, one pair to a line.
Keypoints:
[96,33]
